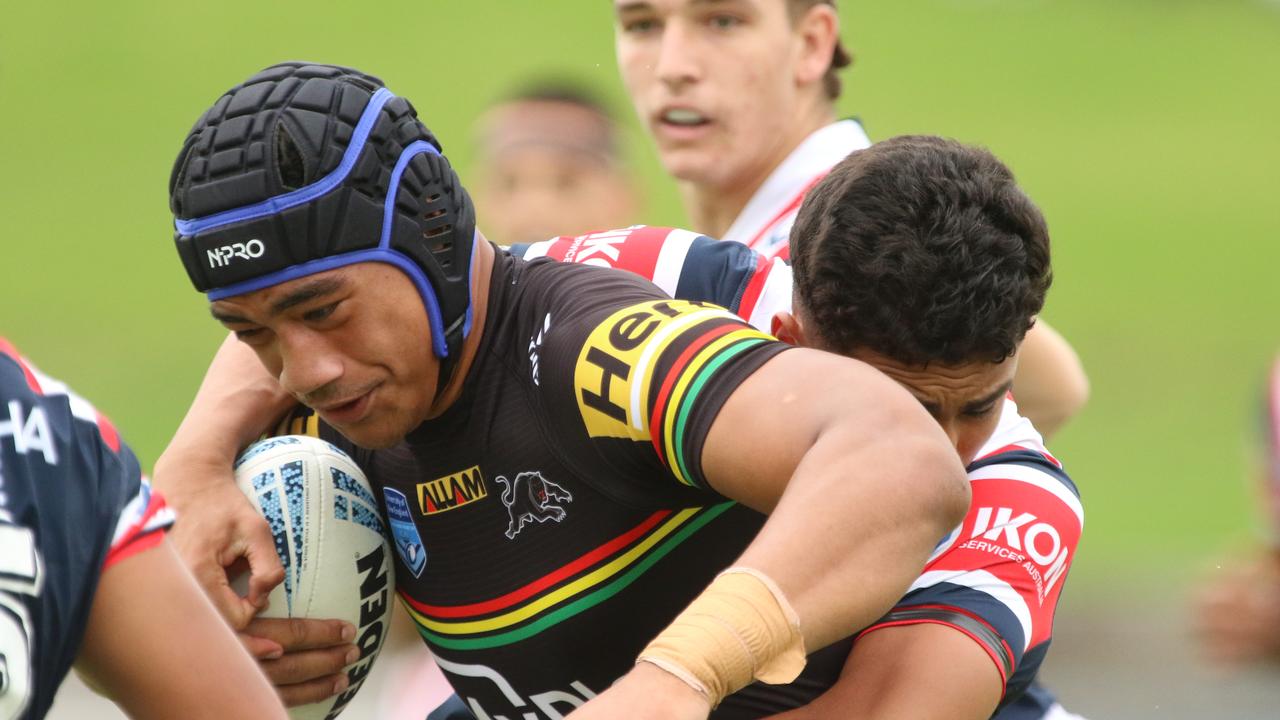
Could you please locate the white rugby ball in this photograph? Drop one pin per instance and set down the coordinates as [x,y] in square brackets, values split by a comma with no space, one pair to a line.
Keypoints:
[332,542]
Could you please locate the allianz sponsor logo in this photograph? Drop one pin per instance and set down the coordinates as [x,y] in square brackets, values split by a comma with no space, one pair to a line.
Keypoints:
[452,491]
[1026,540]
[225,255]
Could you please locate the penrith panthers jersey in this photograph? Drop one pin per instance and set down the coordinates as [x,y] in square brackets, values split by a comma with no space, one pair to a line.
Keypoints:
[998,576]
[555,518]
[72,503]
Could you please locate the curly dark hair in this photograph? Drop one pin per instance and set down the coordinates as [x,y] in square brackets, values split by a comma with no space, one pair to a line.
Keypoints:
[923,250]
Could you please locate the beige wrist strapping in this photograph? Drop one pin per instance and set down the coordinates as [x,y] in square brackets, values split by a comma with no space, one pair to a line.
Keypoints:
[740,629]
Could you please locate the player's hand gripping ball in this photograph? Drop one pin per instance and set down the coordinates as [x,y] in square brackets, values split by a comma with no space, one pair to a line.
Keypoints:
[331,540]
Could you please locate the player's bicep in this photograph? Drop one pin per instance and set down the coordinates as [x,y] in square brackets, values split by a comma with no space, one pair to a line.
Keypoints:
[656,374]
[801,404]
[918,671]
[147,616]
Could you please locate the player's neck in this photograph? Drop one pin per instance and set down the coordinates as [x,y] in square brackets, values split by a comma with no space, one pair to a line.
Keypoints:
[712,207]
[481,272]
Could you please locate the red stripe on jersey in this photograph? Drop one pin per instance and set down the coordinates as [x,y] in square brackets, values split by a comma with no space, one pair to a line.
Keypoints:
[1021,448]
[641,256]
[591,558]
[128,550]
[1025,536]
[677,369]
[108,432]
[139,537]
[7,348]
[790,208]
[754,287]
[991,653]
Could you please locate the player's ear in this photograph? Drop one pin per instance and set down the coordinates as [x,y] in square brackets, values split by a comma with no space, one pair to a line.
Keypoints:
[816,31]
[787,328]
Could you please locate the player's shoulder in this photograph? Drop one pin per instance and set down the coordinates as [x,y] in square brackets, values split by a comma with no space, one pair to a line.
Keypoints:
[43,413]
[1016,452]
[641,249]
[682,263]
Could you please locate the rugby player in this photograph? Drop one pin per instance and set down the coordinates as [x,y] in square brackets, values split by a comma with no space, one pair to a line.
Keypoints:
[925,320]
[562,442]
[739,96]
[1238,610]
[87,577]
[549,162]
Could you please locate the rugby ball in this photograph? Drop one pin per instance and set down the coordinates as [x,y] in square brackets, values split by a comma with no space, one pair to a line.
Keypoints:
[332,542]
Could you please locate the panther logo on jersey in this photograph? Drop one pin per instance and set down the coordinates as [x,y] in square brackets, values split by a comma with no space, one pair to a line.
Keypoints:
[529,499]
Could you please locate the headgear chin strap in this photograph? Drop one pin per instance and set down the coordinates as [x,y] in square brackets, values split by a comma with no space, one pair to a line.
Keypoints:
[307,168]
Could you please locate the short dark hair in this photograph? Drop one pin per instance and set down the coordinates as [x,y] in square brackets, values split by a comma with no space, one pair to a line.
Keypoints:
[599,135]
[559,90]
[922,250]
[840,57]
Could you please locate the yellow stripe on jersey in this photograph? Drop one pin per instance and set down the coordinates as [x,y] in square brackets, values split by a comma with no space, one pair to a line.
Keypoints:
[614,374]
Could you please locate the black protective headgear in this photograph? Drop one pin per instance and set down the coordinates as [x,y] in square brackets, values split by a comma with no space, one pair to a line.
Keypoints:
[305,168]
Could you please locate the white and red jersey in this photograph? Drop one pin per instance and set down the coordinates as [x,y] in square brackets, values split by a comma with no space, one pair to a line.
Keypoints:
[996,577]
[764,225]
[73,502]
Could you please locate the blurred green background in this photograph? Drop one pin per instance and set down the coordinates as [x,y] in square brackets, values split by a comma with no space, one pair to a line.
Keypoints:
[1147,130]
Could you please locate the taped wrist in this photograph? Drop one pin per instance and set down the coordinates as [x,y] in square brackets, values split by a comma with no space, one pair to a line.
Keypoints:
[740,629]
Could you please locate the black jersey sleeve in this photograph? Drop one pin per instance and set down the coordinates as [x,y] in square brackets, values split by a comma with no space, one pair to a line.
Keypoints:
[638,378]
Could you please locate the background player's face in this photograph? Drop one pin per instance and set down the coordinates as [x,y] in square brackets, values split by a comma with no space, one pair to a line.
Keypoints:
[546,169]
[965,399]
[715,82]
[353,343]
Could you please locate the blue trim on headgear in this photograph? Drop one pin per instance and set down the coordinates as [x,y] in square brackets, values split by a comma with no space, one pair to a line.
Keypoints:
[393,187]
[471,266]
[280,203]
[333,262]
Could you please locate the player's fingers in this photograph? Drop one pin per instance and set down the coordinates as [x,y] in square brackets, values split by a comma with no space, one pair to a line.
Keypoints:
[212,578]
[304,666]
[303,634]
[313,691]
[260,648]
[265,568]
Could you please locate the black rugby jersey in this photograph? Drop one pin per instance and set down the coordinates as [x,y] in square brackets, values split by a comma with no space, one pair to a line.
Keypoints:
[555,518]
[72,502]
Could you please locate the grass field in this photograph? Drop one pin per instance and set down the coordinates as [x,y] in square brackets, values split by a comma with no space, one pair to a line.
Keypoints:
[1145,128]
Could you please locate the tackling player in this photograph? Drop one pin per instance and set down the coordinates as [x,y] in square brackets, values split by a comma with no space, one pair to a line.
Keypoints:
[87,578]
[739,96]
[925,321]
[561,441]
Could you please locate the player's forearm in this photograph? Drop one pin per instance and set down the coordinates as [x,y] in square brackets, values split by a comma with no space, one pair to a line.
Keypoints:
[857,523]
[141,653]
[237,401]
[913,672]
[859,482]
[1050,385]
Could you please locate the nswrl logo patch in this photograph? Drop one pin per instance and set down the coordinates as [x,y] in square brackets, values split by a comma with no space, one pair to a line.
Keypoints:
[404,532]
